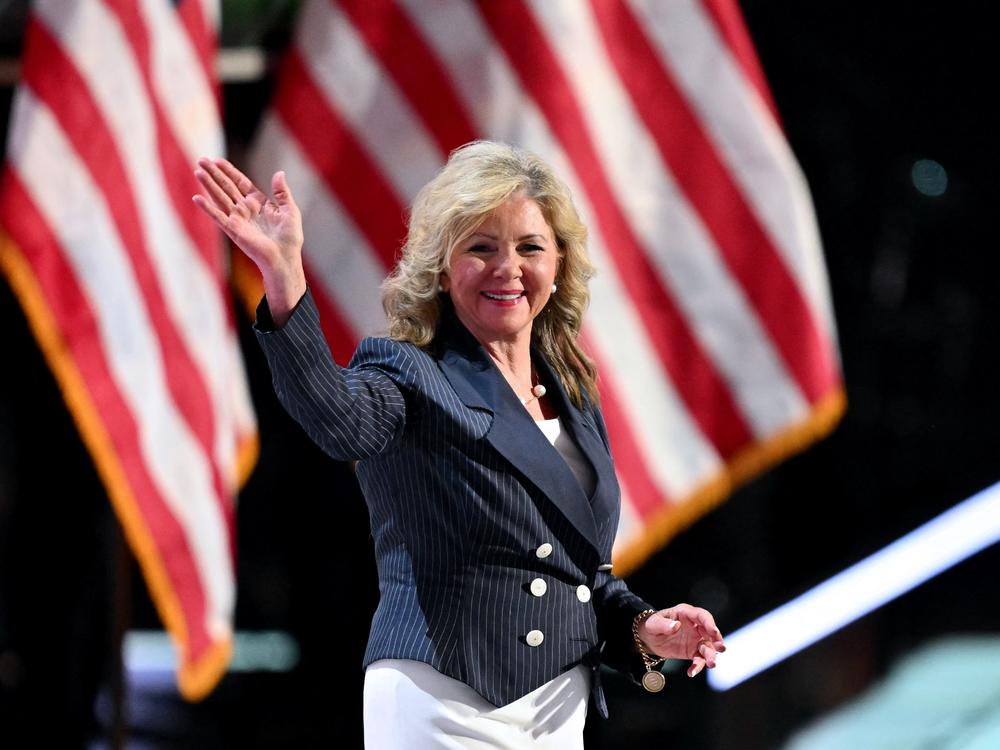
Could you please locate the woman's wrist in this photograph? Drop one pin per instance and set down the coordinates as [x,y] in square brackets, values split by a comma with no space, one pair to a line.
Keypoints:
[641,646]
[284,290]
[652,680]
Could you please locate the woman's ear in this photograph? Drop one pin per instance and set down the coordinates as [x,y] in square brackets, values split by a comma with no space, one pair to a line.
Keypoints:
[444,283]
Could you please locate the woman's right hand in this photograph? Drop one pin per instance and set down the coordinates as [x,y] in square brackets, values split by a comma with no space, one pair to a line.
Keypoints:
[269,232]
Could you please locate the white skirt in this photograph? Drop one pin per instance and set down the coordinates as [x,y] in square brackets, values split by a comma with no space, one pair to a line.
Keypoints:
[410,705]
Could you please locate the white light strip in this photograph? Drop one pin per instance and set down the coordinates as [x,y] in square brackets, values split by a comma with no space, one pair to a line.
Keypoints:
[958,533]
[240,64]
[232,65]
[147,651]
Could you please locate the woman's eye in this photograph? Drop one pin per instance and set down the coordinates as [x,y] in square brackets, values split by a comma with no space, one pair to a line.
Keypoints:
[479,249]
[531,248]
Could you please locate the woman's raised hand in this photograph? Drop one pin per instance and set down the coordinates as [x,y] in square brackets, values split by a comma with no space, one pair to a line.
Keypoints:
[269,232]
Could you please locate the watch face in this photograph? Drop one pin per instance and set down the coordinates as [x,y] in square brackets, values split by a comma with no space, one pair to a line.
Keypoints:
[654,681]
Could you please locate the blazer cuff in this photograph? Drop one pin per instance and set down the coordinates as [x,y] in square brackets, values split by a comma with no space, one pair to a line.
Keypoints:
[620,652]
[265,322]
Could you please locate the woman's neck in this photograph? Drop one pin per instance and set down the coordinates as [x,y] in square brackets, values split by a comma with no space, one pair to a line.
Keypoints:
[514,363]
[513,359]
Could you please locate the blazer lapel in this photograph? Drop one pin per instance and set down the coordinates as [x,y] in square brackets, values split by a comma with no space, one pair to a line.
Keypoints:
[581,426]
[480,385]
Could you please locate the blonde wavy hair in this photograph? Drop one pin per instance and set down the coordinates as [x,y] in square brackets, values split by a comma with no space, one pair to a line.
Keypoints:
[476,180]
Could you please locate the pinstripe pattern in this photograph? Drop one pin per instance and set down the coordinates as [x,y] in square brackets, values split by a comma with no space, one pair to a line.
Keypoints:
[462,489]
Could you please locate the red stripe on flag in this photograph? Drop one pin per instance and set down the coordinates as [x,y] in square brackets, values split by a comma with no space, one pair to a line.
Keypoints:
[742,241]
[693,373]
[203,38]
[71,309]
[65,92]
[395,41]
[339,158]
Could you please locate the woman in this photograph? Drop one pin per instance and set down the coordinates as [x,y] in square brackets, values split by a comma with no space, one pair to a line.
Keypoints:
[482,454]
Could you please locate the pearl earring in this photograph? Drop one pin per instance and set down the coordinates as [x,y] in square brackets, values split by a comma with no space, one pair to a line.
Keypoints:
[554,287]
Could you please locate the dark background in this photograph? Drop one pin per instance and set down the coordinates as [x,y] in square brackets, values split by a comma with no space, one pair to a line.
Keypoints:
[865,90]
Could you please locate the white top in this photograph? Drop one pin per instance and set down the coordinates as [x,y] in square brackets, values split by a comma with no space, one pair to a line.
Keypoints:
[578,463]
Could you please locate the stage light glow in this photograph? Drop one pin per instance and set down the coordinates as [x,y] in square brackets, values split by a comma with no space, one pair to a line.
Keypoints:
[147,651]
[956,534]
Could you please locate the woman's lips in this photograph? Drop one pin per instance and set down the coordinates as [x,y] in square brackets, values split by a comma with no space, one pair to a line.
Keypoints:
[504,297]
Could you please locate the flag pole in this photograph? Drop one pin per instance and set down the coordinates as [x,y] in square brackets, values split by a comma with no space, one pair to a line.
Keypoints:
[122,616]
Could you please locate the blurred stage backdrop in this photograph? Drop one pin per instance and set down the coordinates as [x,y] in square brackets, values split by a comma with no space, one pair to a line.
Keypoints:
[789,208]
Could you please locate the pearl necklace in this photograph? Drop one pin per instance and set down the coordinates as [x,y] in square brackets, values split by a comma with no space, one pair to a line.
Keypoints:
[537,392]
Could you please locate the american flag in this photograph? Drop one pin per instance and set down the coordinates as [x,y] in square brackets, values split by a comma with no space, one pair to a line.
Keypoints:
[710,320]
[123,283]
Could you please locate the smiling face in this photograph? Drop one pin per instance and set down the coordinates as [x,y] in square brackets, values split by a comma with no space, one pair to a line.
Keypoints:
[501,276]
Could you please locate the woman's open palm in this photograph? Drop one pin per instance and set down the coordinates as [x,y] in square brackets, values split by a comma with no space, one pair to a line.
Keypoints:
[268,231]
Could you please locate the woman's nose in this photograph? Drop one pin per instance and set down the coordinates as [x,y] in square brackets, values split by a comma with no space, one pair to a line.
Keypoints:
[508,263]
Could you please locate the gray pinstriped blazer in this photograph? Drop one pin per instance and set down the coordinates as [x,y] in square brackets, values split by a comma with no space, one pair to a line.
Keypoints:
[463,489]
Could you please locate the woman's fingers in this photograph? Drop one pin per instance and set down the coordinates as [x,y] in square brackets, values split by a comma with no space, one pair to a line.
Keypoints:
[704,657]
[214,213]
[223,180]
[279,188]
[660,624]
[697,664]
[221,199]
[706,652]
[226,195]
[222,220]
[708,626]
[243,184]
[704,621]
[685,632]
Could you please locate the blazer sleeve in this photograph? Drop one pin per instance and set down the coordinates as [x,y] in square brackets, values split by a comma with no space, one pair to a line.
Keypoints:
[617,606]
[616,609]
[352,412]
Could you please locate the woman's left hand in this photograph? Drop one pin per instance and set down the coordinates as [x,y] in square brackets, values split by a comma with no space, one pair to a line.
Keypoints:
[683,632]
